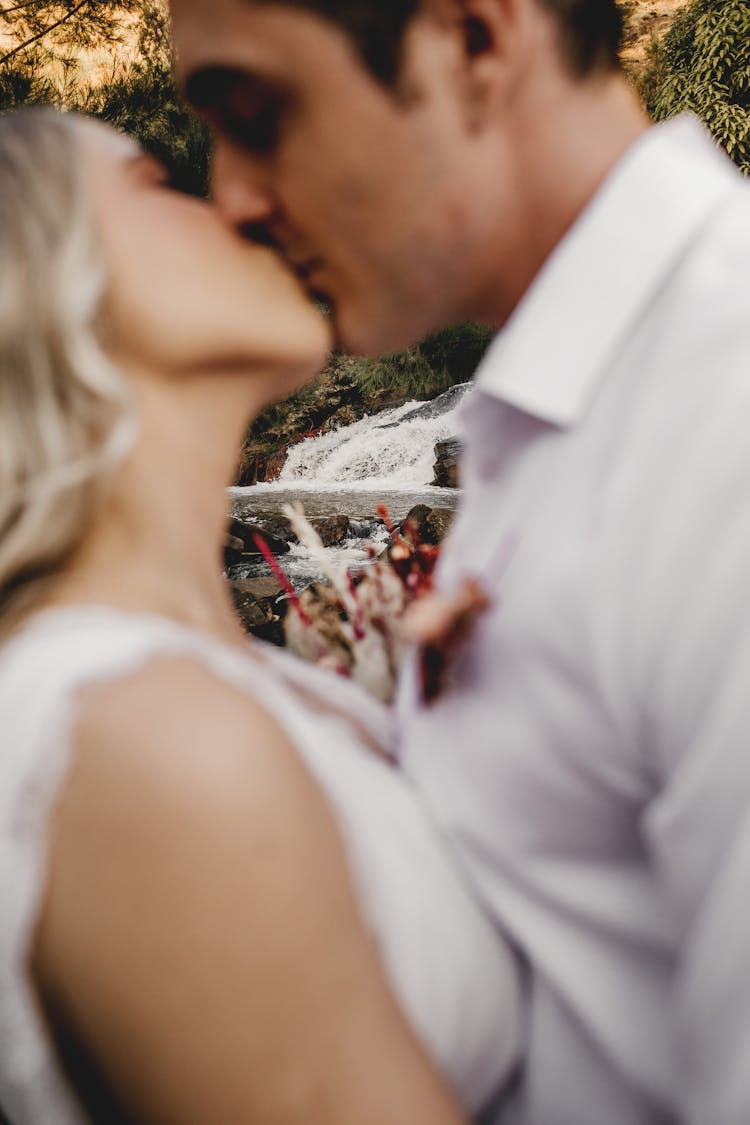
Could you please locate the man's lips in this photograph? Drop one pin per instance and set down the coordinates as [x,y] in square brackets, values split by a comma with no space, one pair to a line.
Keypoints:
[306,268]
[309,273]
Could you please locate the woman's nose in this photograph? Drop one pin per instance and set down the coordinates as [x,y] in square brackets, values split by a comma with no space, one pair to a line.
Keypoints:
[237,187]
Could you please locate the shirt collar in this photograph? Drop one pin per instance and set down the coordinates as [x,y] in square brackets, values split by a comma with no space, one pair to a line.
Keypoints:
[551,356]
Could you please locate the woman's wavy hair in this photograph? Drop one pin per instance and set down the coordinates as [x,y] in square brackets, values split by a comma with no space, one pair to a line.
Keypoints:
[65,413]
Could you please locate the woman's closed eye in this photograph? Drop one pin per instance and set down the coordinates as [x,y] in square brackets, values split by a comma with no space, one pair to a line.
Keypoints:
[150,170]
[155,173]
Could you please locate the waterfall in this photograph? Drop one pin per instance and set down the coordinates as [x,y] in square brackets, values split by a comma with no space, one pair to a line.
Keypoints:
[390,450]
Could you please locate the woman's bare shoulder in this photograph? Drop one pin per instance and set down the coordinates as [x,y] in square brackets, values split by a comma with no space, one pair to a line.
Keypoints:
[200,920]
[188,851]
[172,760]
[175,720]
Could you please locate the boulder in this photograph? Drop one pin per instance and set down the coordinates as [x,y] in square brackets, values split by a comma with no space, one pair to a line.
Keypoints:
[274,525]
[248,471]
[257,605]
[274,465]
[438,524]
[331,529]
[431,525]
[446,467]
[234,544]
[240,544]
[413,523]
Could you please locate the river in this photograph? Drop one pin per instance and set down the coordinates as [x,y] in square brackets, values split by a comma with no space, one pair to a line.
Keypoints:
[386,458]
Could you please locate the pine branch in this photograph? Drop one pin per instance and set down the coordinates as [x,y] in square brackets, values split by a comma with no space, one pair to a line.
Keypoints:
[45,31]
[17,7]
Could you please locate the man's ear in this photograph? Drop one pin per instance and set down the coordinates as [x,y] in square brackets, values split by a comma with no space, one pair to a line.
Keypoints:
[493,40]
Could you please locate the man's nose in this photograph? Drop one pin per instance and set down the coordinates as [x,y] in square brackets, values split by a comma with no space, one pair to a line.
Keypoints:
[238,187]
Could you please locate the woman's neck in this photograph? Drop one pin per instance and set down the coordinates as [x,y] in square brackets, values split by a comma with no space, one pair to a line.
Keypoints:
[157,545]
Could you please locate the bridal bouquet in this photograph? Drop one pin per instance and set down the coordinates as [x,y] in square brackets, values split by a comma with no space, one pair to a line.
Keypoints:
[353,625]
[359,625]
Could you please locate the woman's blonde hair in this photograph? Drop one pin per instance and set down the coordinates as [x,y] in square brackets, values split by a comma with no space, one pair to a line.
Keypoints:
[65,415]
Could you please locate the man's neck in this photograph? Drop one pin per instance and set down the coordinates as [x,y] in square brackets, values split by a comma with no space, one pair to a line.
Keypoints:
[567,140]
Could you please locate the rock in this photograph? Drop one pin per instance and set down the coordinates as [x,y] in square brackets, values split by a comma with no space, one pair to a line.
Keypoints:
[438,524]
[249,470]
[274,465]
[331,529]
[260,612]
[447,454]
[276,545]
[275,525]
[431,525]
[415,520]
[240,543]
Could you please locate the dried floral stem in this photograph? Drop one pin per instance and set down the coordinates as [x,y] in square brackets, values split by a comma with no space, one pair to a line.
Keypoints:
[278,573]
[336,575]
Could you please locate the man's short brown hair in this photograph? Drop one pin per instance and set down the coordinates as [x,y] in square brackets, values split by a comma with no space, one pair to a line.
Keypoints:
[591,30]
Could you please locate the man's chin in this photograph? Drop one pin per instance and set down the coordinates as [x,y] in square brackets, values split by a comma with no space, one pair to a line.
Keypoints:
[356,333]
[355,338]
[321,299]
[343,340]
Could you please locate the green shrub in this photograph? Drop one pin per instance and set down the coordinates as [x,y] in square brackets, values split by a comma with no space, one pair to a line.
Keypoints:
[144,103]
[439,362]
[455,352]
[408,372]
[139,98]
[702,65]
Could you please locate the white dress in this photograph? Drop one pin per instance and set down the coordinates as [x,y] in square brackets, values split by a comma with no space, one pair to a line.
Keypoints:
[454,975]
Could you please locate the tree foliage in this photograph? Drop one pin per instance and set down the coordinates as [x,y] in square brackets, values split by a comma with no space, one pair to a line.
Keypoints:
[143,101]
[437,363]
[41,65]
[62,25]
[702,65]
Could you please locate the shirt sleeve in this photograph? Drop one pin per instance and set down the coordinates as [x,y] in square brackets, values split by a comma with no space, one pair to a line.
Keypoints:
[695,681]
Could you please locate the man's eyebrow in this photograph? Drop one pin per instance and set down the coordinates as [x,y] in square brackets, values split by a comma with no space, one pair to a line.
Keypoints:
[213,86]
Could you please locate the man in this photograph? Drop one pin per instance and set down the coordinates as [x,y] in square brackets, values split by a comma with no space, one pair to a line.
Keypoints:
[425,163]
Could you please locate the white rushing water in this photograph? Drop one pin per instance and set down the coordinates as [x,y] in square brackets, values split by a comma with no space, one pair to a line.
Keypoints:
[386,458]
[390,450]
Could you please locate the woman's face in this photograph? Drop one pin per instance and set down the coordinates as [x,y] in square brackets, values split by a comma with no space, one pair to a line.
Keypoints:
[187,294]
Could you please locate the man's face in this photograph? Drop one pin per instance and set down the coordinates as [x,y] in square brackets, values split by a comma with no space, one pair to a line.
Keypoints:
[367,192]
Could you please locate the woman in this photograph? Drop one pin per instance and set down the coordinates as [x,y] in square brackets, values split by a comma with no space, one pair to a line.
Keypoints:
[197,845]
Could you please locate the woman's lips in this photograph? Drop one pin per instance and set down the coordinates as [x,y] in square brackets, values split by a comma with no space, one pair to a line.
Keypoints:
[310,273]
[305,270]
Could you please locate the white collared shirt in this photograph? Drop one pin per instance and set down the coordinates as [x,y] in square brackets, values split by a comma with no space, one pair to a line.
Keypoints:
[590,752]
